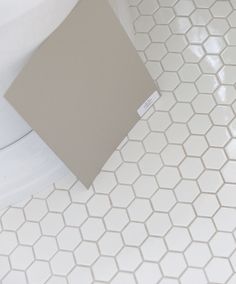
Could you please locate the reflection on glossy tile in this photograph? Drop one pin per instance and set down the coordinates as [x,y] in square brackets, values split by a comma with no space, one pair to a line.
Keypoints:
[211,64]
[214,44]
[193,53]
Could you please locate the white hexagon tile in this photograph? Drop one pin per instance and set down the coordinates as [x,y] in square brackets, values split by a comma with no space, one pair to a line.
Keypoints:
[163,209]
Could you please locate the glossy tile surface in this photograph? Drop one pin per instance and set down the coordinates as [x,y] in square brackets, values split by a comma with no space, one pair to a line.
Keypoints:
[163,210]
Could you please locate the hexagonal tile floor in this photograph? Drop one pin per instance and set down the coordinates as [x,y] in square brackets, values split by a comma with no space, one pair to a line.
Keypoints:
[163,209]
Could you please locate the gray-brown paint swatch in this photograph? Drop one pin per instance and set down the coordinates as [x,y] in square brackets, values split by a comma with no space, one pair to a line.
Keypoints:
[82,88]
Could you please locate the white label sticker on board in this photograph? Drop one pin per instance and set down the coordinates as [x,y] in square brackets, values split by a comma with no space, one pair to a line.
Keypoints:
[148,103]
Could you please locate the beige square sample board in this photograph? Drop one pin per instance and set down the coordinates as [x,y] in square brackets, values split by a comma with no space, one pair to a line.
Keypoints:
[81,90]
